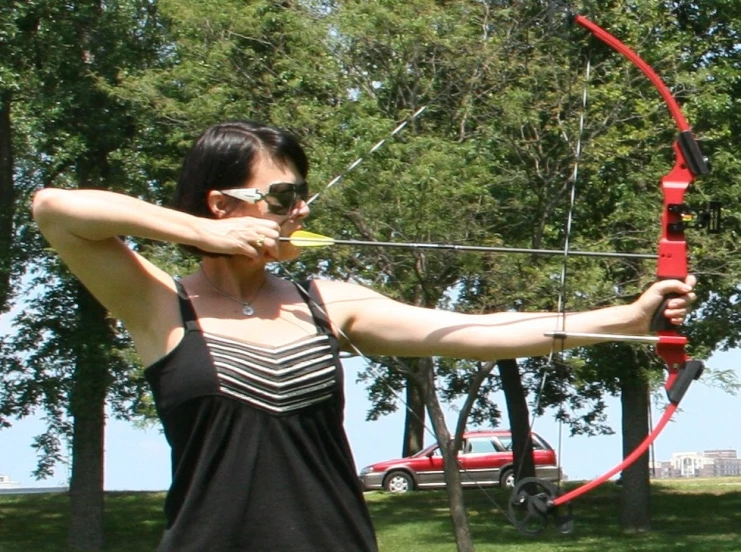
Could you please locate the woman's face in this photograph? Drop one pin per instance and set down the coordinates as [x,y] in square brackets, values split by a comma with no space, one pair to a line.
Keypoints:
[278,192]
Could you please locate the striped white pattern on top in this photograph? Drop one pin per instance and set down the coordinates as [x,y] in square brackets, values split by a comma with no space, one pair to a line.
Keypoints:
[279,380]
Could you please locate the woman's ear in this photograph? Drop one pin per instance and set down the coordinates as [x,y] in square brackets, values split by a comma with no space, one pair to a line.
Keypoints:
[218,204]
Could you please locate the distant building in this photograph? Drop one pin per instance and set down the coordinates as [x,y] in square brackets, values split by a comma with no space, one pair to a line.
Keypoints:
[710,463]
[6,483]
[8,487]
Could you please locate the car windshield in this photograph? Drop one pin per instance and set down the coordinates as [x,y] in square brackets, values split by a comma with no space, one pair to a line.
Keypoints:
[434,450]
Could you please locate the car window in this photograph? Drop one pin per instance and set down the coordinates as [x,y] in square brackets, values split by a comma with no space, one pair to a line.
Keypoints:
[480,445]
[505,442]
[538,444]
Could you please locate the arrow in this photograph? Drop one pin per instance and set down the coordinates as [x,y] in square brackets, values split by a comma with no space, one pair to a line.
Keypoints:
[668,339]
[302,238]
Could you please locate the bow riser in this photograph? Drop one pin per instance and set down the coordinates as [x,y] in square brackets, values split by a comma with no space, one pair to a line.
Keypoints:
[673,263]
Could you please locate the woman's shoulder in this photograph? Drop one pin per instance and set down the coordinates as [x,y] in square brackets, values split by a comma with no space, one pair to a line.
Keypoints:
[337,289]
[347,300]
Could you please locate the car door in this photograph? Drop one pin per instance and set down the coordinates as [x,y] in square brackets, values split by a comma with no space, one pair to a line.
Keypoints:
[480,461]
[429,469]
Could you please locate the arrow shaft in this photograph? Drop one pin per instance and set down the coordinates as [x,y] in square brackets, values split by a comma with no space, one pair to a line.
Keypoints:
[480,248]
[605,337]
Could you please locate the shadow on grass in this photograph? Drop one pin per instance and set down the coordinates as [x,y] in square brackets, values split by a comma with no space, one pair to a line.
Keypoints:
[702,520]
[33,522]
[134,521]
[40,523]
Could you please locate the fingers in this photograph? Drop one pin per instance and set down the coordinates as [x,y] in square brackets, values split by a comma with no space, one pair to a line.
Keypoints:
[667,287]
[682,298]
[249,236]
[264,239]
[678,309]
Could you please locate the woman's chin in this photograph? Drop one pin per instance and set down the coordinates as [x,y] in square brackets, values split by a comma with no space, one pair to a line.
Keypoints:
[288,252]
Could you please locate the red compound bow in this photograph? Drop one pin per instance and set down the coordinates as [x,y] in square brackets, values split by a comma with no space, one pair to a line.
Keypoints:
[534,499]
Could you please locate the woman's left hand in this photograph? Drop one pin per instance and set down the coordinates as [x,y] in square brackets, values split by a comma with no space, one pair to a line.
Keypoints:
[677,308]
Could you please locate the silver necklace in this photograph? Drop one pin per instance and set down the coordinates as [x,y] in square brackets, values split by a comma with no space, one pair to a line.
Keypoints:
[247,308]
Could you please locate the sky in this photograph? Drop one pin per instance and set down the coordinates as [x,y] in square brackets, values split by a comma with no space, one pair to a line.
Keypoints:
[138,459]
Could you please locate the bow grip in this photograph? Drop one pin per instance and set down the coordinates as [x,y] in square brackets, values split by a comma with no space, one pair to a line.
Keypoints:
[659,322]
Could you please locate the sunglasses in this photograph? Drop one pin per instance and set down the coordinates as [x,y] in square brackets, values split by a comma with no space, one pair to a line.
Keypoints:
[281,197]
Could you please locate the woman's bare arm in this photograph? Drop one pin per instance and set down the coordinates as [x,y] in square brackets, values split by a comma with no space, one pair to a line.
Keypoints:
[379,325]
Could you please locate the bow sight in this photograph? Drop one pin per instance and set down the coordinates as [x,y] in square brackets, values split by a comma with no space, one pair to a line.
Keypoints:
[708,218]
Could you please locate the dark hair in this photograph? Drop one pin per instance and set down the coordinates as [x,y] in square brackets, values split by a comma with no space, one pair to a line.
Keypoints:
[224,157]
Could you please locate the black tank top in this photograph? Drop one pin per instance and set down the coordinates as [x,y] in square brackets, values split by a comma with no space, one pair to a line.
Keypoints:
[260,459]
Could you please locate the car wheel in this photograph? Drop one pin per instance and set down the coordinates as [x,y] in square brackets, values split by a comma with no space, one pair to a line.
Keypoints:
[507,478]
[398,482]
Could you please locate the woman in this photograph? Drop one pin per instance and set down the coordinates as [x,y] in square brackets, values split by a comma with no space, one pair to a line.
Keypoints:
[244,365]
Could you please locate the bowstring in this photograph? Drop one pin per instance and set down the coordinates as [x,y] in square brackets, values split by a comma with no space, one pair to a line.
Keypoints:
[371,151]
[561,305]
[562,284]
[556,349]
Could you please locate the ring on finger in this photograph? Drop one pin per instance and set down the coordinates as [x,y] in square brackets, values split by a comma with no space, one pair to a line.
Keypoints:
[260,240]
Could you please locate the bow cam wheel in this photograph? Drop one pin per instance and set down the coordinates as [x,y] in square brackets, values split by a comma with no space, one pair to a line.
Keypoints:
[530,503]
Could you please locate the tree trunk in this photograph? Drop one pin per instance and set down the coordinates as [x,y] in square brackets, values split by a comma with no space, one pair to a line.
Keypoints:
[635,501]
[7,198]
[458,512]
[519,418]
[87,405]
[414,424]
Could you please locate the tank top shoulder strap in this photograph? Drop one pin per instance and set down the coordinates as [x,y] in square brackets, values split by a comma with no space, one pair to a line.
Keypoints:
[187,312]
[317,312]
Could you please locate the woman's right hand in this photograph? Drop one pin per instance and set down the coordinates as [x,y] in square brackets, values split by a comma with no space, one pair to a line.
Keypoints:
[249,236]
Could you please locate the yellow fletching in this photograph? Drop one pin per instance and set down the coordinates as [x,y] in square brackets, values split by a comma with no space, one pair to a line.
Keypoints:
[302,238]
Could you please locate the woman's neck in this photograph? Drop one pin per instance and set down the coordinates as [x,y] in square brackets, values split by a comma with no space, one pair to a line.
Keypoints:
[234,276]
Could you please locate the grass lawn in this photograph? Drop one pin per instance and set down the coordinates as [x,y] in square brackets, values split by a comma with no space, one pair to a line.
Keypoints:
[702,515]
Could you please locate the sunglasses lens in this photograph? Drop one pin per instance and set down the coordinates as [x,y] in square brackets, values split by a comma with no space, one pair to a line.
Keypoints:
[302,191]
[276,207]
[283,196]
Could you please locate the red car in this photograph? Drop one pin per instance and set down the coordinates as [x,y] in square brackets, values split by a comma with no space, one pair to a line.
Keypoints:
[485,459]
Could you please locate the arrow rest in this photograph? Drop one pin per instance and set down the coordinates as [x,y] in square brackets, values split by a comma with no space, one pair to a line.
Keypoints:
[531,503]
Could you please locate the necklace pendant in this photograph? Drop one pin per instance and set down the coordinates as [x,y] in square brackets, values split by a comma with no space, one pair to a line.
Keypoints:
[247,310]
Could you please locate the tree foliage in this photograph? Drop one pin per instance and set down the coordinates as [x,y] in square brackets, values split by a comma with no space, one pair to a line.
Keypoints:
[110,95]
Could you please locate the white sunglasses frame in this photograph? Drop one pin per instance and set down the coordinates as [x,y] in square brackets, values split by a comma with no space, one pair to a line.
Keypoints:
[250,195]
[253,195]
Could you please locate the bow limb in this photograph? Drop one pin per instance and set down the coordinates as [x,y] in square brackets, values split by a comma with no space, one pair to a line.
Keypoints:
[617,45]
[627,461]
